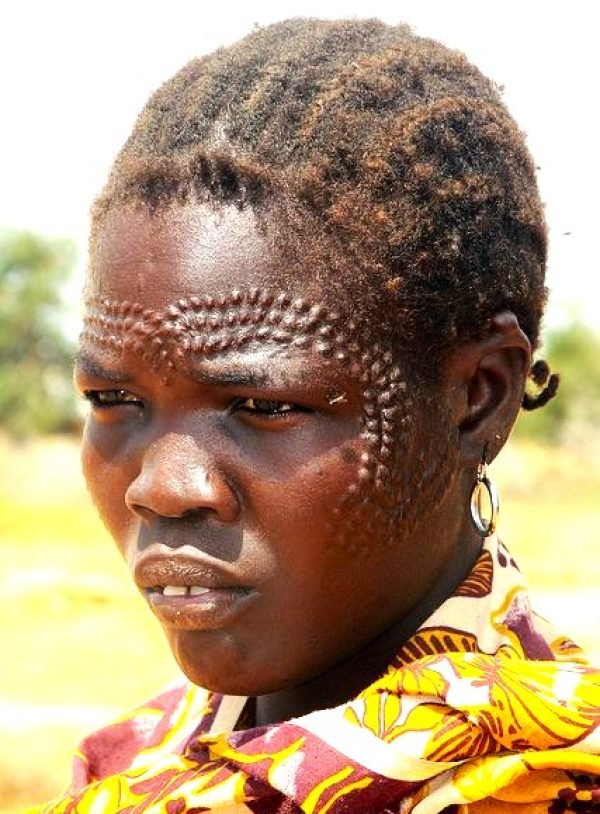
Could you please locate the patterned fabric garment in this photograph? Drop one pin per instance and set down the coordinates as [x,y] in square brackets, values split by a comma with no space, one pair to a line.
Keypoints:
[484,709]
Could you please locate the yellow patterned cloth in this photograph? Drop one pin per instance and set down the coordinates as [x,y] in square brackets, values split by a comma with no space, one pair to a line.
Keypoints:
[484,709]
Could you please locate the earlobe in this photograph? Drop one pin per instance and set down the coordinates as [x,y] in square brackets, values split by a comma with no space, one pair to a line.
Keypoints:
[492,374]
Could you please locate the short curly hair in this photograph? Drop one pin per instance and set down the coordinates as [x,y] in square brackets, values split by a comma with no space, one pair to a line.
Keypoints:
[383,146]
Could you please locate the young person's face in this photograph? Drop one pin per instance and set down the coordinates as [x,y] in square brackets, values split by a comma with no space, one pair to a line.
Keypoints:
[256,463]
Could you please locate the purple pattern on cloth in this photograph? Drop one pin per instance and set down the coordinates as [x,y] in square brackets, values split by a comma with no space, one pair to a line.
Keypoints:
[519,621]
[317,761]
[112,749]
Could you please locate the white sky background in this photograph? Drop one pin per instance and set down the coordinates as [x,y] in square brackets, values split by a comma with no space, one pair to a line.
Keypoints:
[74,74]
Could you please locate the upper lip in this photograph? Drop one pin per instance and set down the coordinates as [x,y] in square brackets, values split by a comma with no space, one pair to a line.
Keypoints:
[158,568]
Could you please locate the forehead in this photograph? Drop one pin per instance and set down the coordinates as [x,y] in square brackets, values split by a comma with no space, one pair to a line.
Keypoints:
[184,252]
[195,281]
[198,279]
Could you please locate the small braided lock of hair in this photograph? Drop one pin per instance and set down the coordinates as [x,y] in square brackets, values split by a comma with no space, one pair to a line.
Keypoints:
[547,384]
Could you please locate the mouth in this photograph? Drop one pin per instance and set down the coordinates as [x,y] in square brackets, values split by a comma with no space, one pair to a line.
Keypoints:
[189,592]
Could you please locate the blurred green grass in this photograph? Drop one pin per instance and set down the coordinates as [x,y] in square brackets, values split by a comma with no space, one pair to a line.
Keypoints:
[80,645]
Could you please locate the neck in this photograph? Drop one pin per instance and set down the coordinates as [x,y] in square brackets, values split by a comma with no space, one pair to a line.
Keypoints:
[346,679]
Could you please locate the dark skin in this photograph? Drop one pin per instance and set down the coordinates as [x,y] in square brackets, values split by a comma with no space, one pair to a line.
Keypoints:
[245,476]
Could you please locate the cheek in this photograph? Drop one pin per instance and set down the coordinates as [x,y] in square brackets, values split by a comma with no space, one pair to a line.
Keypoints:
[308,506]
[106,483]
[408,459]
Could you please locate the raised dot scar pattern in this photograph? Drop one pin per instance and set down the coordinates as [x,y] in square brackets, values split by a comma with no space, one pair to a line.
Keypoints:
[209,325]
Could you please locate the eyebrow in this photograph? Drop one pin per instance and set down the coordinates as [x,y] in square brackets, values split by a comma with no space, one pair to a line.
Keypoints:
[251,375]
[92,367]
[225,378]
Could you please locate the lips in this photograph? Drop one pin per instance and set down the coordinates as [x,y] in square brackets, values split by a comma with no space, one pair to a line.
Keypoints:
[189,592]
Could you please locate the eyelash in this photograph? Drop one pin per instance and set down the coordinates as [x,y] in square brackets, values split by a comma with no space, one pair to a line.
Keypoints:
[110,398]
[267,408]
[262,408]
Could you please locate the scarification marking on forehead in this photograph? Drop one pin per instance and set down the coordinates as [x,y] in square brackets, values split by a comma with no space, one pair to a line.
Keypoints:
[210,325]
[206,326]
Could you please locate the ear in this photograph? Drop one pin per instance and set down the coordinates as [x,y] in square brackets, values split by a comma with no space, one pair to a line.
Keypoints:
[488,381]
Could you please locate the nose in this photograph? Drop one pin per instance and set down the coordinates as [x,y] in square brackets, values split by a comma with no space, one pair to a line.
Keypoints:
[176,479]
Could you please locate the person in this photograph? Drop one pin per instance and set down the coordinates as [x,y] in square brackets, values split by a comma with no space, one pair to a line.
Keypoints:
[316,283]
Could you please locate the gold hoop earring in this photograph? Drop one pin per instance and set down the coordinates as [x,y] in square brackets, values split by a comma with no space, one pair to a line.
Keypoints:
[485,527]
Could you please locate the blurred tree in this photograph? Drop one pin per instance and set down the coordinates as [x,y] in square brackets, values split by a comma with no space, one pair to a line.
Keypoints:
[36,395]
[574,415]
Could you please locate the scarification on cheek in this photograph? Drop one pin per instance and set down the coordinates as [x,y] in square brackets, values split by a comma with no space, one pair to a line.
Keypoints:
[377,493]
[168,340]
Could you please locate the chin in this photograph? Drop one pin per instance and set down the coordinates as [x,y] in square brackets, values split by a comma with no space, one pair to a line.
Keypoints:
[219,662]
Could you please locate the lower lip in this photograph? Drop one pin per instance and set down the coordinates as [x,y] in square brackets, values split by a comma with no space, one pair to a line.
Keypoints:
[209,611]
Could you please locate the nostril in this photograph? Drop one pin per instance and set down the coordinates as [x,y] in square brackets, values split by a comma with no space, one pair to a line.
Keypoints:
[150,515]
[145,514]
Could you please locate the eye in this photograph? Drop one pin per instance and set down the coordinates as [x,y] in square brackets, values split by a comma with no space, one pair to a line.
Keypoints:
[267,408]
[111,398]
